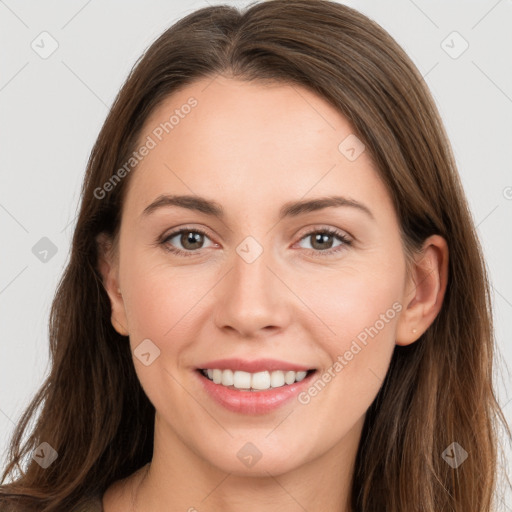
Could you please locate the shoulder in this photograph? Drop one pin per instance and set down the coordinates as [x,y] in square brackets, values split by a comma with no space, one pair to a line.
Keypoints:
[93,504]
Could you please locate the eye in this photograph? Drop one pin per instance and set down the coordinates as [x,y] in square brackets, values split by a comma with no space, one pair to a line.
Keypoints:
[191,240]
[322,240]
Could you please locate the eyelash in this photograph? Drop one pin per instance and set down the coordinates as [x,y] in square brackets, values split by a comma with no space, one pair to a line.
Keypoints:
[328,252]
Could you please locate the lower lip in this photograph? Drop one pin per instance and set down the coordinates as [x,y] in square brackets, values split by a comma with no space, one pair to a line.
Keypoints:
[253,402]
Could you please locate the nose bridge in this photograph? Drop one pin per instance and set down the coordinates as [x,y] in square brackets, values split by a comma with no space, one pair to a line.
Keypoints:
[252,298]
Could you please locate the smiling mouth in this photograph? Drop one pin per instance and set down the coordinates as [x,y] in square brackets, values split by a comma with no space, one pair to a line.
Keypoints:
[258,381]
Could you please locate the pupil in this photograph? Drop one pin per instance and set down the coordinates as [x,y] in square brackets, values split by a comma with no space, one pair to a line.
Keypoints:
[321,238]
[192,238]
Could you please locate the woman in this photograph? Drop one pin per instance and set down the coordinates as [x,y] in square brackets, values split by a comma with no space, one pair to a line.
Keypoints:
[203,357]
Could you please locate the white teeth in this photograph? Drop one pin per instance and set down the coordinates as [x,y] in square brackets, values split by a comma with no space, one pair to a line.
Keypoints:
[260,380]
[277,379]
[217,376]
[241,380]
[227,378]
[289,377]
[300,376]
[256,381]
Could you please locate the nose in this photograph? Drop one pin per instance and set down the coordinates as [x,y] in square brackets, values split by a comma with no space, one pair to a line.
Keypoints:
[252,299]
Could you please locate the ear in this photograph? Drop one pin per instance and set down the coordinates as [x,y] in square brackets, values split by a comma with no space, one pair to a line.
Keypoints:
[424,290]
[109,269]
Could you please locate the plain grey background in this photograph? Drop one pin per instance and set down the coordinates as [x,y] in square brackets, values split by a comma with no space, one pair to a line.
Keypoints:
[61,65]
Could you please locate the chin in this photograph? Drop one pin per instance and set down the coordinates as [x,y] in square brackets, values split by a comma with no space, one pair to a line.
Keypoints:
[246,459]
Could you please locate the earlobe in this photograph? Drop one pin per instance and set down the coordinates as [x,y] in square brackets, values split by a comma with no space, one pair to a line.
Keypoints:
[424,291]
[118,327]
[108,268]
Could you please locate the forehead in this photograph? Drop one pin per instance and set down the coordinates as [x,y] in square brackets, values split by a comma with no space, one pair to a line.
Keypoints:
[246,142]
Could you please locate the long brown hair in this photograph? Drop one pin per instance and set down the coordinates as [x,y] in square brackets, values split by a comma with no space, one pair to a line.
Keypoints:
[437,391]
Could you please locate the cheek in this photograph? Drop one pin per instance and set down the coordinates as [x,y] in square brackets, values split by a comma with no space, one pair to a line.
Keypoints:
[161,304]
[347,301]
[354,324]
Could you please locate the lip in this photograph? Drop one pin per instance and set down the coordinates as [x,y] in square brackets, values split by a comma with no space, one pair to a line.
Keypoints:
[253,402]
[258,365]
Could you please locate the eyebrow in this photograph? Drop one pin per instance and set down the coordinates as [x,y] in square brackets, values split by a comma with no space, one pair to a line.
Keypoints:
[290,209]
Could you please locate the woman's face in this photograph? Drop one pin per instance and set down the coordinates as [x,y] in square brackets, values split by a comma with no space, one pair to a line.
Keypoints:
[266,280]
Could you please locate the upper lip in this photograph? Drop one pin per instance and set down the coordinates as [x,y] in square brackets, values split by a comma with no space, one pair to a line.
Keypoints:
[256,365]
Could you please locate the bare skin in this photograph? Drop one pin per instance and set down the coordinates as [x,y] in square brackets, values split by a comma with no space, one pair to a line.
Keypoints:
[251,148]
